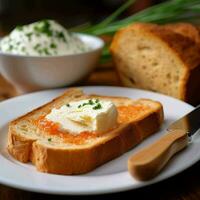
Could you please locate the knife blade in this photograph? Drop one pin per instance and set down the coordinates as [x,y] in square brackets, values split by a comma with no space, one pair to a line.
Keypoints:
[148,162]
[190,122]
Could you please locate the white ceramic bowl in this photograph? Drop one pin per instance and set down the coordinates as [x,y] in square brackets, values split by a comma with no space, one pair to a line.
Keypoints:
[30,73]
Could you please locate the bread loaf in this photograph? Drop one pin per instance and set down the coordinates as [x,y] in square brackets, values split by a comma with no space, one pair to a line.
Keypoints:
[164,59]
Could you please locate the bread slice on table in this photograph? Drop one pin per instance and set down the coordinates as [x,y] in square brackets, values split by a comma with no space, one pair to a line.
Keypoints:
[54,153]
[164,59]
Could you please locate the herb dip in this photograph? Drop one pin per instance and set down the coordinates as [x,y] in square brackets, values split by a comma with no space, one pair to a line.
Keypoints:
[43,38]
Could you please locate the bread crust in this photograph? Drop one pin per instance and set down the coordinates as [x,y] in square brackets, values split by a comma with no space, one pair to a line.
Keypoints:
[186,29]
[18,146]
[78,161]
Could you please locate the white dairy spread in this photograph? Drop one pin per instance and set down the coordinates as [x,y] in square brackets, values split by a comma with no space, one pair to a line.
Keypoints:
[43,38]
[91,115]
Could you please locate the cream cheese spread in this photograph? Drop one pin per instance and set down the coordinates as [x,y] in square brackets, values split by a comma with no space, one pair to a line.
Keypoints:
[43,38]
[93,115]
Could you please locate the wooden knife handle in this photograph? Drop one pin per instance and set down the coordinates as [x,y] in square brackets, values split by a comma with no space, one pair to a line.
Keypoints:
[146,164]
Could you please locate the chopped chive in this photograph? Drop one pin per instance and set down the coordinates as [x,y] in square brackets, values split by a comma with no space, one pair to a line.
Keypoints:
[53,45]
[49,139]
[98,106]
[10,47]
[91,102]
[61,35]
[44,27]
[67,105]
[36,46]
[29,35]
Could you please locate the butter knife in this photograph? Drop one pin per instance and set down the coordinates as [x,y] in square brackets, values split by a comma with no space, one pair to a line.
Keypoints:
[148,162]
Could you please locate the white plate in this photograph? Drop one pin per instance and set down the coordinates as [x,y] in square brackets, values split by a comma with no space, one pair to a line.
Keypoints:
[110,177]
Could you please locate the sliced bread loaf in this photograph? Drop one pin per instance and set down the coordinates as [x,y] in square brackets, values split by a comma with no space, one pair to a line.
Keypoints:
[160,59]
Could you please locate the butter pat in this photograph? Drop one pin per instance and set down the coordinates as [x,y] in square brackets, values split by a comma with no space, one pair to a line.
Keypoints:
[91,115]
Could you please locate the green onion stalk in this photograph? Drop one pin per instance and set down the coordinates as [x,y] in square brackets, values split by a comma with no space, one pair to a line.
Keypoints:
[170,11]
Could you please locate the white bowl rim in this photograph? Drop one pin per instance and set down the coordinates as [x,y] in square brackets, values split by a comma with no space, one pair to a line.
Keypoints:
[99,47]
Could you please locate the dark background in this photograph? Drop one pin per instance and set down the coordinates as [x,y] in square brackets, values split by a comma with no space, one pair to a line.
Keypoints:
[184,186]
[67,12]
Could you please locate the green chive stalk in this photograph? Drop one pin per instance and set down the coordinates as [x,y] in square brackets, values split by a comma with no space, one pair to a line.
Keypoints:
[169,11]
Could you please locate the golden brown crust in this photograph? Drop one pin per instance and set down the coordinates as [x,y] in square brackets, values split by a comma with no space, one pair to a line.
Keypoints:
[192,86]
[18,146]
[74,161]
[77,161]
[186,29]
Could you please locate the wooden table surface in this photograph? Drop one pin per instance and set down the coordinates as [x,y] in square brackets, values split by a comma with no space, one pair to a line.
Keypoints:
[184,186]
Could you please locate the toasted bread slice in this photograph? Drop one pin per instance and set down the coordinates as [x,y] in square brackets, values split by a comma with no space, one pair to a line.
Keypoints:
[70,154]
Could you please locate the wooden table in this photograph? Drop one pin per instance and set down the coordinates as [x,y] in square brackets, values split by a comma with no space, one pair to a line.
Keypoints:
[184,186]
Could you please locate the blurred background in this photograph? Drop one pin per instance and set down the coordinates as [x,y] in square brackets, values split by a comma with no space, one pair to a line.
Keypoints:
[68,13]
[72,13]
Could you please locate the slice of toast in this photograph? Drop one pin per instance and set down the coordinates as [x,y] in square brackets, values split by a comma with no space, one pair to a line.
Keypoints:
[79,154]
